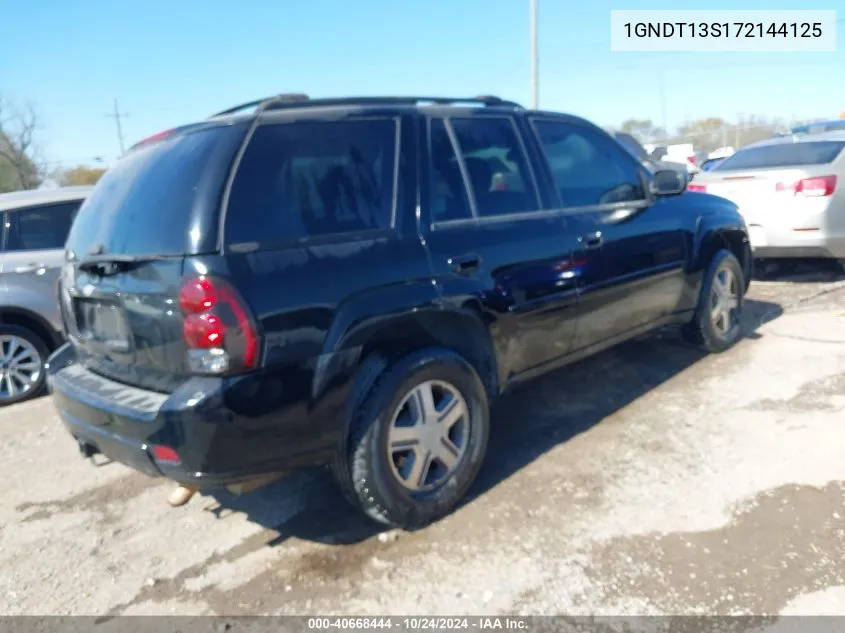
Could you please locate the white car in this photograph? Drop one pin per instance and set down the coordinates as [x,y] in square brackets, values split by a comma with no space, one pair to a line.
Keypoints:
[791,192]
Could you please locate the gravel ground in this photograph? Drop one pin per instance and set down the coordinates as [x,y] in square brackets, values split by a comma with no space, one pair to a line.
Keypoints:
[647,480]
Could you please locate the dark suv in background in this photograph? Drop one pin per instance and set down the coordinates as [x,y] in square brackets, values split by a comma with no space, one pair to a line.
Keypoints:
[353,281]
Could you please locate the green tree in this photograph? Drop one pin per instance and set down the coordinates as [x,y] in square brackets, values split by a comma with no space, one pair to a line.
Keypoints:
[19,167]
[81,175]
[643,130]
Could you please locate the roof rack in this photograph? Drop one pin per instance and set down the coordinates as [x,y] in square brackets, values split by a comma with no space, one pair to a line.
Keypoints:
[298,100]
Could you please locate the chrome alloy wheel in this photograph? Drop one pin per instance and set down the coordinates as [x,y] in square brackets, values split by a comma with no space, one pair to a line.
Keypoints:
[428,435]
[724,300]
[20,366]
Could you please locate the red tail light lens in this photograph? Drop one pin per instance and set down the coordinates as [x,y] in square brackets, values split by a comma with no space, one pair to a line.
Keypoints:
[220,333]
[811,187]
[695,187]
[691,160]
[822,186]
[197,296]
[203,331]
[165,454]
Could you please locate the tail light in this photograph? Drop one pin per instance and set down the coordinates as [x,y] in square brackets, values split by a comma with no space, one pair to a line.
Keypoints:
[695,187]
[165,454]
[691,160]
[160,136]
[219,331]
[820,187]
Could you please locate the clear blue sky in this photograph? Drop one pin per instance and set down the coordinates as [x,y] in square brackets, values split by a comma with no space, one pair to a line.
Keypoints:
[174,62]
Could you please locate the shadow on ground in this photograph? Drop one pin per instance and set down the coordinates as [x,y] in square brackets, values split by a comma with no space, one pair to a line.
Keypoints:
[799,270]
[527,423]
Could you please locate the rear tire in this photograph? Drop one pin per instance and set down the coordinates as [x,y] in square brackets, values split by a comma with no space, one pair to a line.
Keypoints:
[717,325]
[22,358]
[417,439]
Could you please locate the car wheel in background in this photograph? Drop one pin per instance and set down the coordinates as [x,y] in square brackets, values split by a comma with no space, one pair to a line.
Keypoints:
[22,357]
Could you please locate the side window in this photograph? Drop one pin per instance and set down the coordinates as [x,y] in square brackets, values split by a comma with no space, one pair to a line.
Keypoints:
[312,179]
[449,199]
[587,169]
[40,228]
[496,166]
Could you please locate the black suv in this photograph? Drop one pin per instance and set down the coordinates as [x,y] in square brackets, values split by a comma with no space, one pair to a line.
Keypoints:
[352,282]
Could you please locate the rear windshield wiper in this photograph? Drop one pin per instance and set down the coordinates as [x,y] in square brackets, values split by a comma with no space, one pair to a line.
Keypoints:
[112,264]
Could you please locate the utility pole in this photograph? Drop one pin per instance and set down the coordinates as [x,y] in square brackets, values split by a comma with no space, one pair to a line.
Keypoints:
[116,115]
[535,59]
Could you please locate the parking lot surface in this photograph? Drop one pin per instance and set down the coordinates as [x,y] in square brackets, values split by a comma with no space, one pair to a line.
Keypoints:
[650,479]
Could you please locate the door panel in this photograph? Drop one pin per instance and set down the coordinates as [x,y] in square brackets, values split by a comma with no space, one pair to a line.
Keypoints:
[34,241]
[632,247]
[499,255]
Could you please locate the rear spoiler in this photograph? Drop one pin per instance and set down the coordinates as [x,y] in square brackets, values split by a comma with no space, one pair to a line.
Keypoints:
[161,136]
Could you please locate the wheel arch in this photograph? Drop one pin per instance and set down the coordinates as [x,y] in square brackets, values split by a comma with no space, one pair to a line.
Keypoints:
[34,322]
[732,238]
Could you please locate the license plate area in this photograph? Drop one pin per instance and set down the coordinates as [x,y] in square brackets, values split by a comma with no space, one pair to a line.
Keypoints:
[103,324]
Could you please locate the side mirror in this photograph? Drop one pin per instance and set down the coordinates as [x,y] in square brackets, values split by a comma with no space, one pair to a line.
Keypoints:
[668,182]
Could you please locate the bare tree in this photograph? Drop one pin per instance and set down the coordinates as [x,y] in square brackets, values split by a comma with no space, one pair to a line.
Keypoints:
[19,163]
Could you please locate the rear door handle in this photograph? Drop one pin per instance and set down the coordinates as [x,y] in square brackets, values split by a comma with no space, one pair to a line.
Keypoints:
[591,240]
[464,264]
[38,269]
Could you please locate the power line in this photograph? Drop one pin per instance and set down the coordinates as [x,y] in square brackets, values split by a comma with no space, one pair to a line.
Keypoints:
[117,115]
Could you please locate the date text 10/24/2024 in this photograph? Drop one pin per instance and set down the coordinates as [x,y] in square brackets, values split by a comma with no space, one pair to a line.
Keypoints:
[423,623]
[710,30]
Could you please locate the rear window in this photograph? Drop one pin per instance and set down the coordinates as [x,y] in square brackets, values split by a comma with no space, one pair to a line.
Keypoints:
[782,155]
[312,179]
[160,199]
[818,128]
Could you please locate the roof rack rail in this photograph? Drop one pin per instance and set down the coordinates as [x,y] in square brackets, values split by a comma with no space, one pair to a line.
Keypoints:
[292,97]
[297,100]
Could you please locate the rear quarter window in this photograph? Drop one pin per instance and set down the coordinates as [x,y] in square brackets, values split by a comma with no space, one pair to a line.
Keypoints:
[311,179]
[783,155]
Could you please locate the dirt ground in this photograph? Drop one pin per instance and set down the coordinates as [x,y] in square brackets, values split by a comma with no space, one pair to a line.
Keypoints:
[647,480]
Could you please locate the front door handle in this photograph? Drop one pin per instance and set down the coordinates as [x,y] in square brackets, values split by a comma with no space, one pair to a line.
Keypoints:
[38,269]
[591,240]
[464,264]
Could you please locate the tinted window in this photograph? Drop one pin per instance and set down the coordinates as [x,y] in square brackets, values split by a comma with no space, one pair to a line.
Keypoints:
[630,143]
[162,198]
[495,165]
[588,168]
[449,199]
[782,155]
[309,179]
[41,228]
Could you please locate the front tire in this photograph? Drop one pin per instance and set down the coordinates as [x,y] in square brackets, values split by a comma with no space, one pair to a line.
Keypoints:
[717,324]
[22,357]
[417,440]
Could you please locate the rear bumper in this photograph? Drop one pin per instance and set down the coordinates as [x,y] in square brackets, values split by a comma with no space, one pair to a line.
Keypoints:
[219,436]
[785,235]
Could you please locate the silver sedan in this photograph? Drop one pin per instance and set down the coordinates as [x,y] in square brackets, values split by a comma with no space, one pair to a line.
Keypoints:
[791,192]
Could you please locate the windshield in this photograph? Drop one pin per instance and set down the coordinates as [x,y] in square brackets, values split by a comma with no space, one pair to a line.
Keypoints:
[782,155]
[160,199]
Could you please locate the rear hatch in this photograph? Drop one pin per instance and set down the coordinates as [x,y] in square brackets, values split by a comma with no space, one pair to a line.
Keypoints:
[127,251]
[778,185]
